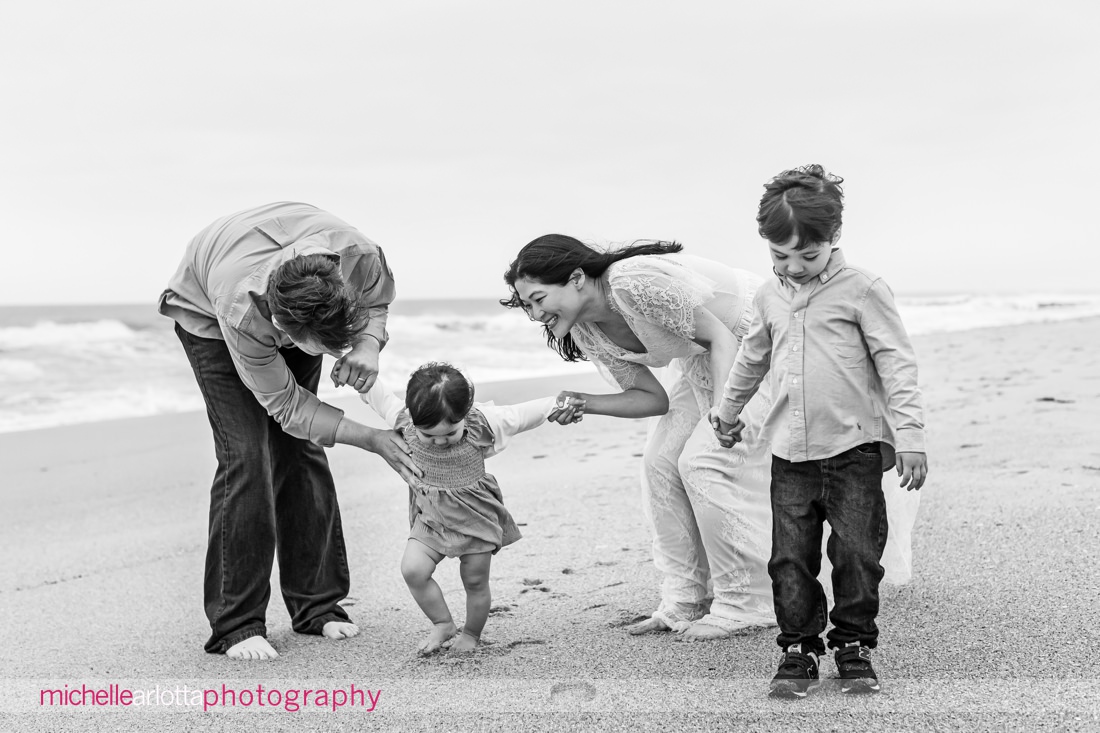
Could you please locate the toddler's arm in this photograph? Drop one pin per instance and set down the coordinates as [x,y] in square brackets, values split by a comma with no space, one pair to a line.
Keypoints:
[383,401]
[507,421]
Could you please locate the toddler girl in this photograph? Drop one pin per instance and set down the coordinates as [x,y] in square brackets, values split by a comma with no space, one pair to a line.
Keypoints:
[456,509]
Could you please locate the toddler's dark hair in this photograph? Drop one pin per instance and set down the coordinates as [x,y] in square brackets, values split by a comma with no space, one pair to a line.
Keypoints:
[437,392]
[806,201]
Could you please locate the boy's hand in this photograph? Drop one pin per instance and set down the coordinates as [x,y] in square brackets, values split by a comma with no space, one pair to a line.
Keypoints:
[728,434]
[913,469]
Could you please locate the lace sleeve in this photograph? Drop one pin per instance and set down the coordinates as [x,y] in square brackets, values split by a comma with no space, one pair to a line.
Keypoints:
[660,291]
[615,371]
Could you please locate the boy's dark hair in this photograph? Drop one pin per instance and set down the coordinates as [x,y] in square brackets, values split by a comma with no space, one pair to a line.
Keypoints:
[552,258]
[806,201]
[310,299]
[437,392]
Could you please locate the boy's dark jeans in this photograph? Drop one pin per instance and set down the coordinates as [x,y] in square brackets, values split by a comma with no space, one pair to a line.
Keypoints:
[847,491]
[271,490]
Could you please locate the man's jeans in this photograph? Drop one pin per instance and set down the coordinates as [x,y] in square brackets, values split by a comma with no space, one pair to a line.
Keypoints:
[270,491]
[846,490]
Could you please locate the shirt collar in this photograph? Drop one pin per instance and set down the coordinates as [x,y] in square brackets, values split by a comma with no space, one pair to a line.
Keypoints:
[836,264]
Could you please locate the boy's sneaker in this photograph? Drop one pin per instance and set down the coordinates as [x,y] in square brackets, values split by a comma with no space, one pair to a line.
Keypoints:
[797,674]
[857,676]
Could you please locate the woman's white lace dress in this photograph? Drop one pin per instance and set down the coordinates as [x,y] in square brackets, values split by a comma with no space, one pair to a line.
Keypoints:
[708,507]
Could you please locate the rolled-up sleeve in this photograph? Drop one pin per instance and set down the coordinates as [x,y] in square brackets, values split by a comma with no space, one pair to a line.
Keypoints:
[297,410]
[896,363]
[372,275]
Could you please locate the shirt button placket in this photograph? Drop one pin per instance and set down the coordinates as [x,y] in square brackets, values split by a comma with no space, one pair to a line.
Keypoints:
[796,371]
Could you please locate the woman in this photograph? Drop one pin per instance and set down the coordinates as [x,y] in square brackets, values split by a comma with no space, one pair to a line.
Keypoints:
[645,306]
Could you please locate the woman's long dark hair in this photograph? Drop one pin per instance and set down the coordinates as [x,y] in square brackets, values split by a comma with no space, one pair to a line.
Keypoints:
[552,258]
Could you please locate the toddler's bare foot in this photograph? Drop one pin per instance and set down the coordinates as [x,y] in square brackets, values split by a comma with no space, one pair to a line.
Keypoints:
[440,633]
[465,643]
[647,626]
[339,630]
[254,647]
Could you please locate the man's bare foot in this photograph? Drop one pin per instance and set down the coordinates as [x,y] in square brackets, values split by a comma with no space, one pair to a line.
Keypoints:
[464,643]
[647,626]
[254,647]
[440,633]
[339,630]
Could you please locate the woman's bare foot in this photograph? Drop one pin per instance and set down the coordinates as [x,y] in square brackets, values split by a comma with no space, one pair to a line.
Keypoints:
[648,626]
[704,632]
[254,647]
[440,633]
[464,643]
[339,630]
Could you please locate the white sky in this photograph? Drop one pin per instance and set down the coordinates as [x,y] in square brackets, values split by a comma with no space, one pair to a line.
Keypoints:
[452,133]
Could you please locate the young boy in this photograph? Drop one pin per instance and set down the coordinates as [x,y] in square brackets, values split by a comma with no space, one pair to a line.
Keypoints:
[844,382]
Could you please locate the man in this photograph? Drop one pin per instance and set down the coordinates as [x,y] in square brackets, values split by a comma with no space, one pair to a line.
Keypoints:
[259,297]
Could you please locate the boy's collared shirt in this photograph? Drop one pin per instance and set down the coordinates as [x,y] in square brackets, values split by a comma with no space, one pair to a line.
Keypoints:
[220,292]
[842,368]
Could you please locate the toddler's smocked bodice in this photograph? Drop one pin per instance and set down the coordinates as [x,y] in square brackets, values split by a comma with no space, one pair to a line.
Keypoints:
[455,466]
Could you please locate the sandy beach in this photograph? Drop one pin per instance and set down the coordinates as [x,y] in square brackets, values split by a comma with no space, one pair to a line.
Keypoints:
[103,537]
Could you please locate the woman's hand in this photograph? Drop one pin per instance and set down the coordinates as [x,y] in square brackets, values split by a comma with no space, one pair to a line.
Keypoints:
[568,409]
[728,434]
[359,367]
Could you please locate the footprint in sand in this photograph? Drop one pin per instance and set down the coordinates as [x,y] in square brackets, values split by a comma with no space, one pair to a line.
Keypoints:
[626,618]
[572,692]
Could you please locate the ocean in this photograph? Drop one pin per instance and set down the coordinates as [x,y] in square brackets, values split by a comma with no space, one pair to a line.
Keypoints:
[61,365]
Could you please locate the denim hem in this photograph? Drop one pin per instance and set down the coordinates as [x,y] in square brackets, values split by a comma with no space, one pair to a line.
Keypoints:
[238,636]
[317,625]
[809,644]
[840,644]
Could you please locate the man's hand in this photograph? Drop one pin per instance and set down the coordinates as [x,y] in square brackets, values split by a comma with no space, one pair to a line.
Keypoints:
[728,434]
[395,451]
[569,408]
[913,469]
[359,367]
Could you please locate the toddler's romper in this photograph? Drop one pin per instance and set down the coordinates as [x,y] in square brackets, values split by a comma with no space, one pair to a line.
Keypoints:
[457,508]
